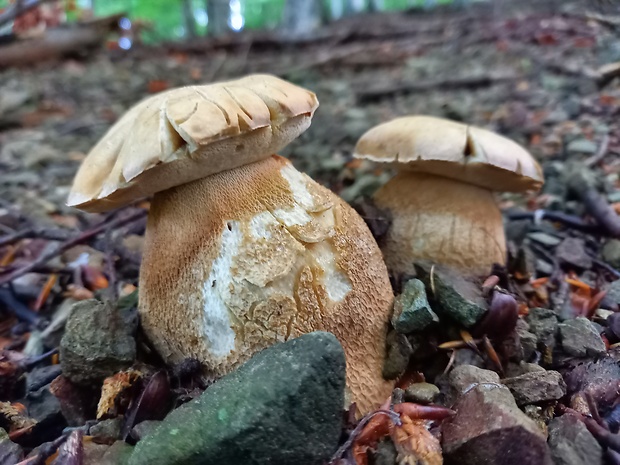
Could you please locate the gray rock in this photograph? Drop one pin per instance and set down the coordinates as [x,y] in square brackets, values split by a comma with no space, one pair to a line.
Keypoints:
[489,428]
[98,341]
[456,297]
[283,406]
[571,443]
[543,323]
[611,253]
[536,386]
[412,311]
[107,429]
[386,454]
[545,239]
[580,339]
[464,377]
[399,350]
[572,252]
[512,370]
[527,339]
[421,393]
[465,357]
[598,377]
[613,292]
[10,453]
[40,376]
[44,407]
[584,146]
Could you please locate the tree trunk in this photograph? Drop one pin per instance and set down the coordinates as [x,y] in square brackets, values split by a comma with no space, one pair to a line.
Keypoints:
[376,5]
[188,19]
[352,7]
[301,17]
[218,12]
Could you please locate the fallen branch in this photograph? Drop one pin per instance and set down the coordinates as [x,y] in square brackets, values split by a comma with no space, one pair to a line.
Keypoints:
[35,233]
[600,153]
[571,221]
[595,203]
[82,237]
[58,42]
[365,94]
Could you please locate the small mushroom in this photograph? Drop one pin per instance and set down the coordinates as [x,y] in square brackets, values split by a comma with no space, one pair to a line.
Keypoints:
[241,250]
[441,199]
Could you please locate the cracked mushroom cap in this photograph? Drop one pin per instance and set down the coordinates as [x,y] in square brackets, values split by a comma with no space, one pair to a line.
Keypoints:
[187,133]
[453,150]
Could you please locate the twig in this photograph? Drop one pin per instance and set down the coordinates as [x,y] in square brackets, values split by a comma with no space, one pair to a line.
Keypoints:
[604,436]
[21,311]
[595,203]
[109,266]
[395,417]
[571,221]
[82,237]
[376,92]
[45,451]
[38,233]
[605,266]
[600,153]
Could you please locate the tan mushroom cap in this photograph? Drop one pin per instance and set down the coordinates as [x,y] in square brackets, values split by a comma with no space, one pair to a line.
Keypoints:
[187,133]
[453,150]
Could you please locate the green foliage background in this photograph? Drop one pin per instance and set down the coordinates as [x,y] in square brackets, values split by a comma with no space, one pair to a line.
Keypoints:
[166,16]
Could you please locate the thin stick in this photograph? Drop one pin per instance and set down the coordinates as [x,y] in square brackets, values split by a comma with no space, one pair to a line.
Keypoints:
[571,221]
[600,153]
[82,237]
[38,233]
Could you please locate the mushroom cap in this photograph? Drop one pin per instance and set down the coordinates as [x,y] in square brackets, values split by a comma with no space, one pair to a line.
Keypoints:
[453,150]
[187,133]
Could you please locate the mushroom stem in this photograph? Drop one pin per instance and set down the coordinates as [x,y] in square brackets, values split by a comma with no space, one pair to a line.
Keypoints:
[441,220]
[248,257]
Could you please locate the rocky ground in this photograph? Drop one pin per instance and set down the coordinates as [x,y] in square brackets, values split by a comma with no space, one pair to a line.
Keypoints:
[522,366]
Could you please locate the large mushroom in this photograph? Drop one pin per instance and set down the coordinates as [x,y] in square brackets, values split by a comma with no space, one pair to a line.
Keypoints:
[441,200]
[241,249]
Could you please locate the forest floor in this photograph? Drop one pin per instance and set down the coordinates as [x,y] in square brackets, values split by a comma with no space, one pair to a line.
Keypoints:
[547,79]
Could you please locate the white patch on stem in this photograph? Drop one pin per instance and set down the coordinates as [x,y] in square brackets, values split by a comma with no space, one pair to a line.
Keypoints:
[216,292]
[336,283]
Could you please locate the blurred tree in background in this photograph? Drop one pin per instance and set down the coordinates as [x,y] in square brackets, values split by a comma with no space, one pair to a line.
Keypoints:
[162,20]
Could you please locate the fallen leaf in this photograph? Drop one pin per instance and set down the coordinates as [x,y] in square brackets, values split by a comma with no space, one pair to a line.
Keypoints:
[113,387]
[415,444]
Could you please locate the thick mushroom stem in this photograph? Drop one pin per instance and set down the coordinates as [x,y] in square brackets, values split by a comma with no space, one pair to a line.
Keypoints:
[248,257]
[441,220]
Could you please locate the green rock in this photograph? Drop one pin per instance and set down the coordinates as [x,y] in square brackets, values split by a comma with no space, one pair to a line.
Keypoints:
[455,296]
[412,311]
[118,453]
[283,406]
[98,341]
[582,146]
[611,253]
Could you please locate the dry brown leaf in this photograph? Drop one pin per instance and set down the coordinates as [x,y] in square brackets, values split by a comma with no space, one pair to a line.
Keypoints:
[14,417]
[415,444]
[112,388]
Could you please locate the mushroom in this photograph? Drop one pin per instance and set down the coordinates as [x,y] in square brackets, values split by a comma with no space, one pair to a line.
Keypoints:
[241,249]
[441,200]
